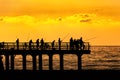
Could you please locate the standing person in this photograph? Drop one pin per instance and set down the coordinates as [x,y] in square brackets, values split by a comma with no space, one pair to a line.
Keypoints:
[71,43]
[25,45]
[17,43]
[59,43]
[75,44]
[1,64]
[81,43]
[37,44]
[53,43]
[30,44]
[42,44]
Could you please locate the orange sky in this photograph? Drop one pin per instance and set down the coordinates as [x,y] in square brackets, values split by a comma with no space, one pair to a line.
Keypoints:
[51,19]
[13,7]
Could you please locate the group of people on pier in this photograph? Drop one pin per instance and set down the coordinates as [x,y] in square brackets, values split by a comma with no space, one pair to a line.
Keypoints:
[73,44]
[76,44]
[40,44]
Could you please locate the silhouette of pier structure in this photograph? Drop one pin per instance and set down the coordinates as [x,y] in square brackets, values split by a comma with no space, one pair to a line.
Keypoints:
[38,48]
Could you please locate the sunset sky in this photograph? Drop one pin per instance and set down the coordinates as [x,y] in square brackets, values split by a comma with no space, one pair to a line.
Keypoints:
[97,21]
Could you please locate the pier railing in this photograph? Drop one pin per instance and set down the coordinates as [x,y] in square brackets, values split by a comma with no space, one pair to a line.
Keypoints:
[46,46]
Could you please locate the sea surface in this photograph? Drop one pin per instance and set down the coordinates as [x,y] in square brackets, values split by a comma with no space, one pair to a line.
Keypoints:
[101,58]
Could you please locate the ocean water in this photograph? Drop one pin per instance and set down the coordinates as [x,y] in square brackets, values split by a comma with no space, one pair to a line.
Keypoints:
[101,58]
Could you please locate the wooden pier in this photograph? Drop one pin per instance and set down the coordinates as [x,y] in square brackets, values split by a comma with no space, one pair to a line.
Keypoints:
[10,49]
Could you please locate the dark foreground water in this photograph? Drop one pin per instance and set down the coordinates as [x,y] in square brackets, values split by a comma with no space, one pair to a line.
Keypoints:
[101,58]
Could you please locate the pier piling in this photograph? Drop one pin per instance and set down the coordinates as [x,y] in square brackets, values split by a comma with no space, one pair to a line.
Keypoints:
[34,62]
[61,62]
[24,61]
[40,61]
[12,62]
[50,62]
[7,62]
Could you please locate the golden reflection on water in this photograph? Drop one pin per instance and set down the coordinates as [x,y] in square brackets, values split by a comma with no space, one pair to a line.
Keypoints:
[101,58]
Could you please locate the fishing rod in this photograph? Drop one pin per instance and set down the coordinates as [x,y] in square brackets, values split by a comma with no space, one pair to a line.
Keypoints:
[65,37]
[90,38]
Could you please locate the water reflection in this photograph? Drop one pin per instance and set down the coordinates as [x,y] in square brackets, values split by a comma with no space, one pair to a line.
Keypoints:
[101,58]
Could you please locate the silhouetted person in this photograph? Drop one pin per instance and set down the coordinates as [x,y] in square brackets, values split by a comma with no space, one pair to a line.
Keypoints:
[37,43]
[30,44]
[59,43]
[74,44]
[53,43]
[77,44]
[42,43]
[71,43]
[25,45]
[17,44]
[1,64]
[46,46]
[81,43]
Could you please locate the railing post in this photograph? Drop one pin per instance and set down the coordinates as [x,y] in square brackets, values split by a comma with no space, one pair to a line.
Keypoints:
[7,61]
[1,63]
[24,61]
[34,62]
[61,62]
[12,62]
[79,55]
[50,62]
[40,61]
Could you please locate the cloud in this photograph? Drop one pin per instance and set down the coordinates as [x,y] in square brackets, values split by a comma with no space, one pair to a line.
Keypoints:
[81,18]
[85,20]
[49,27]
[71,19]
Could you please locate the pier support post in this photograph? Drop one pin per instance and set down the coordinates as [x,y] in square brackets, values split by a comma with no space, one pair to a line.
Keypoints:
[24,62]
[7,61]
[61,62]
[50,62]
[1,63]
[79,55]
[40,61]
[34,62]
[12,62]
